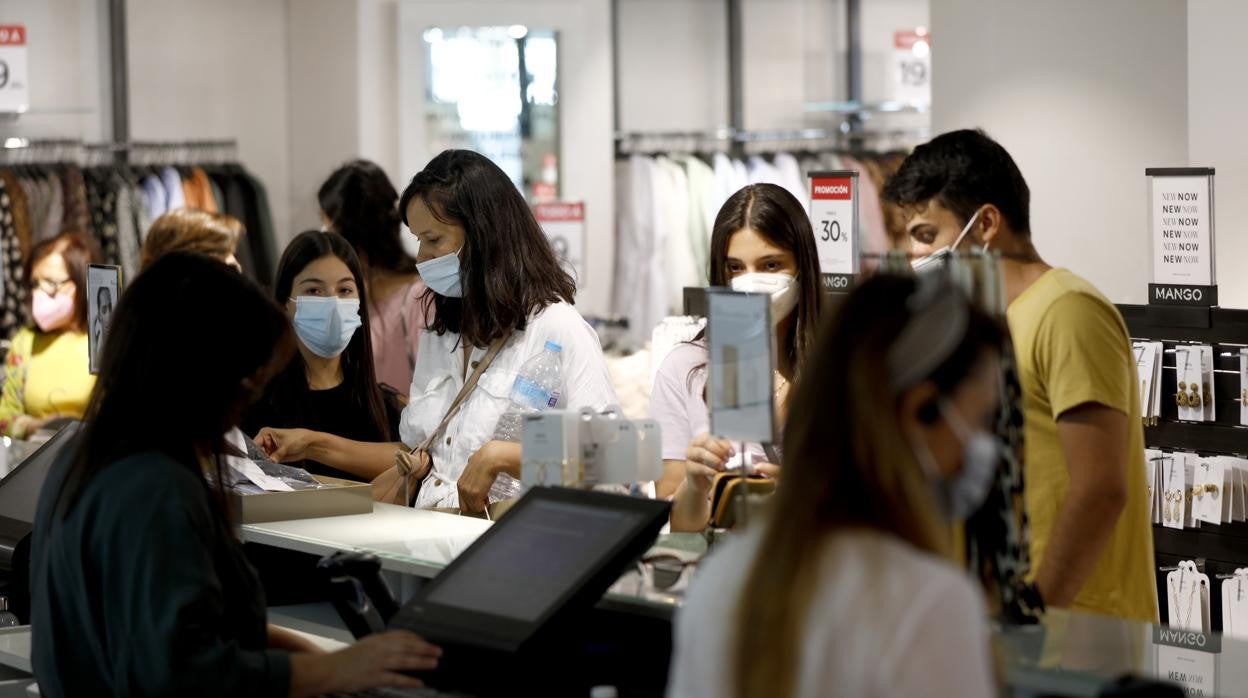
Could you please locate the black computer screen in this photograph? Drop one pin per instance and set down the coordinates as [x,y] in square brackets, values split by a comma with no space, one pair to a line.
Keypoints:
[546,549]
[19,490]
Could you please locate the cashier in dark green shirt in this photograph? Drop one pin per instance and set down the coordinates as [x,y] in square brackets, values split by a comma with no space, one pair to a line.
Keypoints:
[139,587]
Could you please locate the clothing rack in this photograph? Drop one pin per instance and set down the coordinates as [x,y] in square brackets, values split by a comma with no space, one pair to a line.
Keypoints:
[1223,548]
[31,150]
[740,143]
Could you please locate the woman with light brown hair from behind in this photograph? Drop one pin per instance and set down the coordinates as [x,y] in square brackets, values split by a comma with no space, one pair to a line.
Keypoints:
[846,587]
[188,230]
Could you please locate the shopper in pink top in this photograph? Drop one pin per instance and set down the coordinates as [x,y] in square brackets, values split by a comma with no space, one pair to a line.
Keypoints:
[359,202]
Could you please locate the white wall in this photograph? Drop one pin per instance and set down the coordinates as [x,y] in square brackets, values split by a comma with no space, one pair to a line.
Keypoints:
[673,65]
[1218,130]
[325,105]
[216,70]
[1085,95]
[67,70]
[584,28]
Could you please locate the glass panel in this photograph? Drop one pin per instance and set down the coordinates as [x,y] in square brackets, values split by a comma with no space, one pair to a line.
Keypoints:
[495,90]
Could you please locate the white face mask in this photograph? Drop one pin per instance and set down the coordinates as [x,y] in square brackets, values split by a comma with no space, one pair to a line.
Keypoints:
[962,494]
[782,288]
[934,258]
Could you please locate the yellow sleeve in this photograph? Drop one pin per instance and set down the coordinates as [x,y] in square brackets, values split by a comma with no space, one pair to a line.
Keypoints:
[1084,355]
[13,400]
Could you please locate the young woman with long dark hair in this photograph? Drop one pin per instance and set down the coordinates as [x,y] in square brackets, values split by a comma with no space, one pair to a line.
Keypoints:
[761,243]
[359,203]
[495,280]
[140,587]
[847,582]
[325,410]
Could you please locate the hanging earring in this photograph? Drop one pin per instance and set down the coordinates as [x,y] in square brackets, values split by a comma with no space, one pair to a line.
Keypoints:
[1194,400]
[1181,399]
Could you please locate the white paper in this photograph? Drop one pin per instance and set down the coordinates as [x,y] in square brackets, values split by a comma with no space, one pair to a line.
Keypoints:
[245,468]
[1152,468]
[833,208]
[1208,501]
[1243,387]
[1182,231]
[1210,387]
[1174,491]
[14,86]
[564,225]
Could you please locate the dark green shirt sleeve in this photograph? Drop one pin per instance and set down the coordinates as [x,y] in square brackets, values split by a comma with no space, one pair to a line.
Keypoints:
[171,629]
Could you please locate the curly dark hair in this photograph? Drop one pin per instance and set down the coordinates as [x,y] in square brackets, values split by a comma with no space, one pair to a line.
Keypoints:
[962,171]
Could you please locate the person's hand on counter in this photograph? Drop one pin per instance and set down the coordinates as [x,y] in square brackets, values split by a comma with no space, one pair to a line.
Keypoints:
[286,445]
[705,459]
[492,459]
[376,661]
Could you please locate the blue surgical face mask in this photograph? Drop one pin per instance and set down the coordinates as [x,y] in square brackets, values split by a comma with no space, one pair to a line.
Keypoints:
[326,325]
[442,275]
[962,494]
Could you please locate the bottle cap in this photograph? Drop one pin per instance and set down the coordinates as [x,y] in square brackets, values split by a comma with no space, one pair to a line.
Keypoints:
[554,346]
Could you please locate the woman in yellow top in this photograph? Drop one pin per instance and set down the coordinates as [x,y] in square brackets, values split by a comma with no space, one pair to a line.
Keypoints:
[47,373]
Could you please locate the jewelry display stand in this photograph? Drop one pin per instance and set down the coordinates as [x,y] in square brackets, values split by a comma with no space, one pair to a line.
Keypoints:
[1224,548]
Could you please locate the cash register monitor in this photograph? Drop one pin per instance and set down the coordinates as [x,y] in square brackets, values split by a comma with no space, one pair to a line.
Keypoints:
[556,549]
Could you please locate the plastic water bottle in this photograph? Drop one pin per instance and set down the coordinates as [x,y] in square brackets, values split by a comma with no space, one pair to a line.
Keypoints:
[536,389]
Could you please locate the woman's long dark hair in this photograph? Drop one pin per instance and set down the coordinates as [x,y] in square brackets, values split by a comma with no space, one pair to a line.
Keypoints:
[187,321]
[772,212]
[361,203]
[287,391]
[507,267]
[847,466]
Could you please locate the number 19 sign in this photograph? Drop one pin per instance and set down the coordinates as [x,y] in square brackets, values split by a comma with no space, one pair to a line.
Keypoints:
[834,216]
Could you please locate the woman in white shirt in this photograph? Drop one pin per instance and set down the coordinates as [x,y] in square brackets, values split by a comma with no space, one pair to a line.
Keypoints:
[846,588]
[762,242]
[493,276]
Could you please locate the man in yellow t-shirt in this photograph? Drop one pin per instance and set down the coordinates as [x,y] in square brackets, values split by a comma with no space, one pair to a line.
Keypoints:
[1085,483]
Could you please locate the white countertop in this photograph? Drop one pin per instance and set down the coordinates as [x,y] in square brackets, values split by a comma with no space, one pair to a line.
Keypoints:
[409,541]
[15,648]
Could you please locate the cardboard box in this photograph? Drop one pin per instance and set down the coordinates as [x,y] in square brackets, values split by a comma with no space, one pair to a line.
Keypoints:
[345,498]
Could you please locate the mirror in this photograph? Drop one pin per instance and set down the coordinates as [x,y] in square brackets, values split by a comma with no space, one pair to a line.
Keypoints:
[495,90]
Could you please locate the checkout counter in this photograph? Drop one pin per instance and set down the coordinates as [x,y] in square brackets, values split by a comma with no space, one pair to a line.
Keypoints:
[1066,655]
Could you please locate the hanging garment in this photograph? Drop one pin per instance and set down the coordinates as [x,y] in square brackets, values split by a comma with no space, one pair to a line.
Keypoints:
[197,191]
[635,245]
[874,237]
[678,252]
[77,216]
[14,309]
[263,241]
[154,197]
[172,182]
[102,198]
[792,179]
[702,210]
[52,224]
[21,210]
[129,247]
